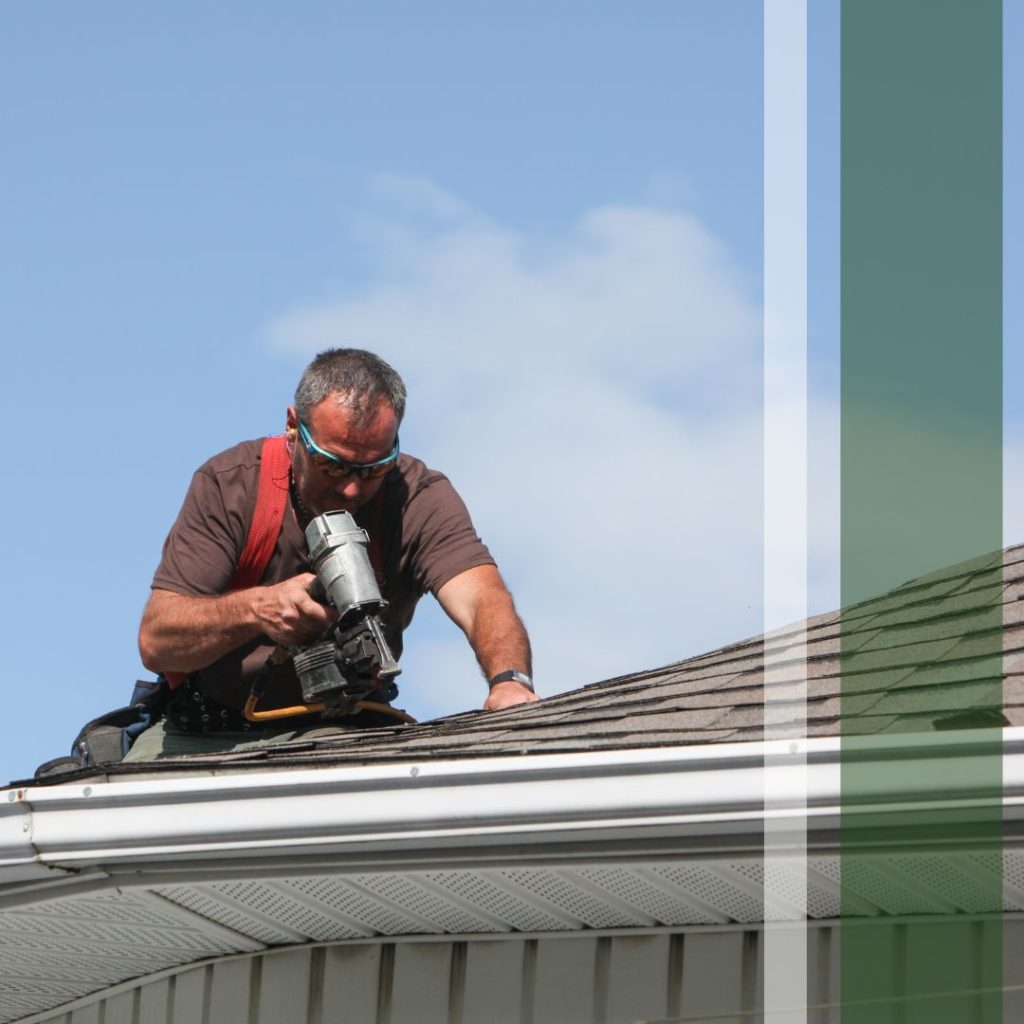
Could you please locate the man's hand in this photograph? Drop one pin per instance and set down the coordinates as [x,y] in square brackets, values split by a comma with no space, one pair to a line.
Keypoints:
[479,603]
[287,614]
[183,633]
[505,695]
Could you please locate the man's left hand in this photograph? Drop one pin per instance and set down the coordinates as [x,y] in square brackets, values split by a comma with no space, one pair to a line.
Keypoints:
[478,601]
[506,695]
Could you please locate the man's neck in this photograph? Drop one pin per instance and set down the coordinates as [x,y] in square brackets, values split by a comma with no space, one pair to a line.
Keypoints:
[302,514]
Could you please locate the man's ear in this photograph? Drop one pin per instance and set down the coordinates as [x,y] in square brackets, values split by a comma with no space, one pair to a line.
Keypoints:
[291,423]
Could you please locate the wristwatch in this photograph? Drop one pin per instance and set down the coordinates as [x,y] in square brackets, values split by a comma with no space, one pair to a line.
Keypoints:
[508,676]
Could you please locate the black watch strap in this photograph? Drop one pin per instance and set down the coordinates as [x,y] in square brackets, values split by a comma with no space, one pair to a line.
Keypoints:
[509,676]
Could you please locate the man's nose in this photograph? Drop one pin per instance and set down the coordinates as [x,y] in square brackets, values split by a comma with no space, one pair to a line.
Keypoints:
[350,487]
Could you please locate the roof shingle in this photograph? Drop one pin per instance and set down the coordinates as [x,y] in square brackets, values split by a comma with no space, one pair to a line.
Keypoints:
[902,662]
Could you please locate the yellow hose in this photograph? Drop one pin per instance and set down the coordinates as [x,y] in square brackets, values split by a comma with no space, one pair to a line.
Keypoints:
[274,714]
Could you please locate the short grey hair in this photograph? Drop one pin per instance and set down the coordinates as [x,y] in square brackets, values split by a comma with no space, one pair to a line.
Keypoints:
[360,379]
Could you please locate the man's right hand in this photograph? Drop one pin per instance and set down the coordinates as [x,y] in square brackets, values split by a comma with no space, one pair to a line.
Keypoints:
[287,614]
[184,633]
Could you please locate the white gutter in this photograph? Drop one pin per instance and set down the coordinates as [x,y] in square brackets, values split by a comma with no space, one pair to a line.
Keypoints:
[712,793]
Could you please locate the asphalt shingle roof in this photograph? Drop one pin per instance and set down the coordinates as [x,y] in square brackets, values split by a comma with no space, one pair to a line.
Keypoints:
[942,651]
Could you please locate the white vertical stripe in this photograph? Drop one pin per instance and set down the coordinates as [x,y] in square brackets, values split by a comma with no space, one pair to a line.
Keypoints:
[785,487]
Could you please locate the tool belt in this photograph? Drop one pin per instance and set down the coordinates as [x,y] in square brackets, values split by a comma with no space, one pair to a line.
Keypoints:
[191,710]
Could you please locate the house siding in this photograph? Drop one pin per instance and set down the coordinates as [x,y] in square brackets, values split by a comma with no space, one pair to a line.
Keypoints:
[614,979]
[711,975]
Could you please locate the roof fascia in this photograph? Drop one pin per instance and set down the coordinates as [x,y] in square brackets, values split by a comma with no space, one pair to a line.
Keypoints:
[721,790]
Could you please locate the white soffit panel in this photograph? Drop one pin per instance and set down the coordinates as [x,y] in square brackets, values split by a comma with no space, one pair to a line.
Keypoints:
[55,950]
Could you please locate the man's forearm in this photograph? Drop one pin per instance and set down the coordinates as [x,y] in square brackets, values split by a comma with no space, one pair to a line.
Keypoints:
[183,633]
[479,602]
[498,637]
[500,642]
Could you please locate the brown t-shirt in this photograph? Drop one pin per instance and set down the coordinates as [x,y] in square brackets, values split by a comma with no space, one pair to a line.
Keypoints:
[427,538]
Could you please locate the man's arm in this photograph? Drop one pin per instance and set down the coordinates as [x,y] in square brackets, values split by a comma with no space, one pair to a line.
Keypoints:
[182,633]
[479,603]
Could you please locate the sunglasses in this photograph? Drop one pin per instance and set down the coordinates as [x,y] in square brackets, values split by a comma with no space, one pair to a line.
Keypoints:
[335,467]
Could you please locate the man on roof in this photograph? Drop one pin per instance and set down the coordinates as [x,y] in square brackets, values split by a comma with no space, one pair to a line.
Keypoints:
[342,444]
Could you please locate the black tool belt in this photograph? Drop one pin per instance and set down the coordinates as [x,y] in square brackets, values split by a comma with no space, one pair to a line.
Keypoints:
[191,710]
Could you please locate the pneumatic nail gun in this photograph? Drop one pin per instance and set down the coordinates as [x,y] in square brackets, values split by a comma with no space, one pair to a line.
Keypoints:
[351,668]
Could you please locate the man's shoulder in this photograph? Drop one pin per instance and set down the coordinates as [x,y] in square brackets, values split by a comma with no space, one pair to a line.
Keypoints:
[414,478]
[438,539]
[241,457]
[416,471]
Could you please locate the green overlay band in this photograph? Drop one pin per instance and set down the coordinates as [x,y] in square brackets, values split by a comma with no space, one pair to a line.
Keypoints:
[921,479]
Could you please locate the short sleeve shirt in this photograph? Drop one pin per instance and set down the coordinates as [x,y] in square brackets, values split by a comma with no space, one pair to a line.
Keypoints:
[426,539]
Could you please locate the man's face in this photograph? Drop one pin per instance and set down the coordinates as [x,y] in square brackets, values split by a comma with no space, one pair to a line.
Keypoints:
[339,430]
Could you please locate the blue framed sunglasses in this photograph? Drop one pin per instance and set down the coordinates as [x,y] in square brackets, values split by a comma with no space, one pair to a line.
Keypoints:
[335,467]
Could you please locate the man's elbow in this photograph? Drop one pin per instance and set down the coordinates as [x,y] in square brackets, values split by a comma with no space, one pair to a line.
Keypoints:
[152,652]
[149,650]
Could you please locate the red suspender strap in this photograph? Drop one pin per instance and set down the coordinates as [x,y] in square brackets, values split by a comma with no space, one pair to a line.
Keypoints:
[267,519]
[268,516]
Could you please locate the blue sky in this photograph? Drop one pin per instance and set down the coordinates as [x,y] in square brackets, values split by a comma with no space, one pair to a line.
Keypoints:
[183,182]
[548,217]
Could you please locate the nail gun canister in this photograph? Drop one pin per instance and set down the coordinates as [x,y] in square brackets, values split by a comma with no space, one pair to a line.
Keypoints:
[340,552]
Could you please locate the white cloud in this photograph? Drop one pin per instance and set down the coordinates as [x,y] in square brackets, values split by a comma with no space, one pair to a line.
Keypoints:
[596,398]
[641,295]
[420,197]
